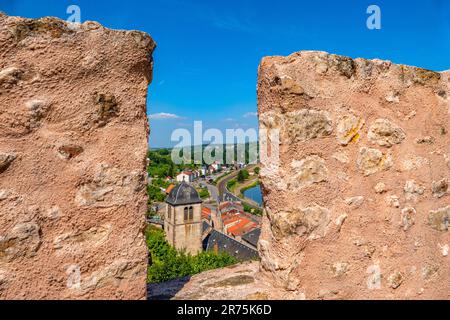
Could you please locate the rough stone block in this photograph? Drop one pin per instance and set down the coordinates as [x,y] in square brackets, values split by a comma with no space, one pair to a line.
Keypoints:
[73,147]
[363,144]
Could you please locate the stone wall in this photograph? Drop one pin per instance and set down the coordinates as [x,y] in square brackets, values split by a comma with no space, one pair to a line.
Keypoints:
[358,205]
[73,143]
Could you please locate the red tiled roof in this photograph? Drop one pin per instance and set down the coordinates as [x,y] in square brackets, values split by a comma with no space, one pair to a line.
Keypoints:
[231,219]
[170,188]
[206,213]
[242,227]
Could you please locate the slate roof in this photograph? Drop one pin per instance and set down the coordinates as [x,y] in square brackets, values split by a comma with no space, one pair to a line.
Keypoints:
[205,226]
[252,237]
[183,194]
[226,244]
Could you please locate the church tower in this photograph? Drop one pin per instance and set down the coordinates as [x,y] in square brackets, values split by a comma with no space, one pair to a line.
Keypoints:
[183,220]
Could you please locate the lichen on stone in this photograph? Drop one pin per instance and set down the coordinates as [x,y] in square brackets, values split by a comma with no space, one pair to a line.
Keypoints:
[308,171]
[24,240]
[344,65]
[107,107]
[52,27]
[348,128]
[439,219]
[306,124]
[413,190]
[385,133]
[440,188]
[371,161]
[233,282]
[419,76]
[407,218]
[288,86]
[312,221]
[395,280]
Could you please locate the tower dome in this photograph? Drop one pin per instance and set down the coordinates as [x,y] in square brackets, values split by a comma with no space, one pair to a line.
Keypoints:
[183,194]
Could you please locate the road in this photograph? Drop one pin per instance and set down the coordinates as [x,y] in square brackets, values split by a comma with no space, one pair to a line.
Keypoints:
[228,196]
[214,192]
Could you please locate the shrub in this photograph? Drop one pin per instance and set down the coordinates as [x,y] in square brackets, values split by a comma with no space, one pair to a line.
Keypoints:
[167,263]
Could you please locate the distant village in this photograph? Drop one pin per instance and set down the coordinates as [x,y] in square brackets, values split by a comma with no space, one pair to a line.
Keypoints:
[218,223]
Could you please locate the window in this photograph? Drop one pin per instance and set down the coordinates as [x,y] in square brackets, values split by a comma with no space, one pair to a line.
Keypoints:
[191,213]
[169,212]
[185,214]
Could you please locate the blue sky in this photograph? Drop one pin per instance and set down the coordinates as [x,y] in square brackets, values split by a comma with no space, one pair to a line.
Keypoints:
[208,51]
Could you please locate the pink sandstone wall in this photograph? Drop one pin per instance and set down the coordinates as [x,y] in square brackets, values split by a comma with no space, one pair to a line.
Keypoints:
[359,206]
[73,143]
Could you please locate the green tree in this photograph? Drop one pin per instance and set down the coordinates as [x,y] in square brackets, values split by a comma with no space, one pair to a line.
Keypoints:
[257,170]
[155,194]
[240,176]
[167,263]
[203,193]
[243,175]
[231,184]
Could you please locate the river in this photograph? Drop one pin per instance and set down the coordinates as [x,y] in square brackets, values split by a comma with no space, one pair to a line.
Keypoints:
[254,194]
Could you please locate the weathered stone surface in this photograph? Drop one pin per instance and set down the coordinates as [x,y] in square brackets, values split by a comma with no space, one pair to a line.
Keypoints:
[380,187]
[385,133]
[23,240]
[109,187]
[77,242]
[393,201]
[299,126]
[348,128]
[371,161]
[73,147]
[414,163]
[413,190]
[387,219]
[395,280]
[355,202]
[312,221]
[447,159]
[308,171]
[5,161]
[340,268]
[70,151]
[407,218]
[441,188]
[440,219]
[241,282]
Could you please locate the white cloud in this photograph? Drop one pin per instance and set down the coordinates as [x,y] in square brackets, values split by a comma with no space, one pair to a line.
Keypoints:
[250,114]
[163,116]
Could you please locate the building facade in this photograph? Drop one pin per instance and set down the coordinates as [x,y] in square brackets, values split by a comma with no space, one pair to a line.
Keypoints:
[185,177]
[183,219]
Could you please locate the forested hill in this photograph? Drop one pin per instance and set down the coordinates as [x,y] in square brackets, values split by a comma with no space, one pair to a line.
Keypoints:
[162,156]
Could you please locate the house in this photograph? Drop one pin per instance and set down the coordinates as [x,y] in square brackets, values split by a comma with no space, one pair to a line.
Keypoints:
[252,237]
[185,176]
[243,226]
[230,207]
[235,221]
[206,213]
[219,242]
[170,188]
[215,167]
